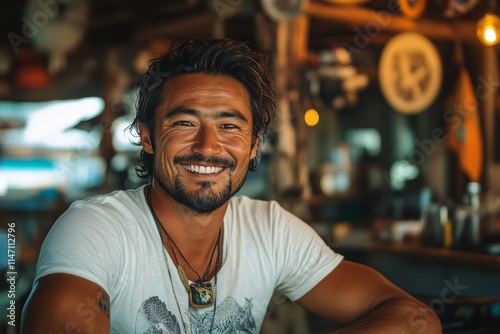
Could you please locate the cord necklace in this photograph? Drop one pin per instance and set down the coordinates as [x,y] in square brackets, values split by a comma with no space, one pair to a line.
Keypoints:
[200,291]
[201,294]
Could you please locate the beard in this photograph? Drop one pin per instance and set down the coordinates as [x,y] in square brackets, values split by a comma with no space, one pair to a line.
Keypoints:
[204,200]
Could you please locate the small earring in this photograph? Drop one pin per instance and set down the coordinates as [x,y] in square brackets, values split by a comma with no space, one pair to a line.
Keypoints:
[252,164]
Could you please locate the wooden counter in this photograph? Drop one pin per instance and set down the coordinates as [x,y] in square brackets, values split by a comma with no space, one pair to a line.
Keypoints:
[428,271]
[429,254]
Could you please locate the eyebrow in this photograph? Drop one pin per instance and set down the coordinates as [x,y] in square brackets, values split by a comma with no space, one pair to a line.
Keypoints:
[194,112]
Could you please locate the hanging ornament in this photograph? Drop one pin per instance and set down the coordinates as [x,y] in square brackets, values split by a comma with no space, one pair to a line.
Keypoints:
[30,71]
[456,8]
[282,10]
[56,29]
[410,73]
[412,8]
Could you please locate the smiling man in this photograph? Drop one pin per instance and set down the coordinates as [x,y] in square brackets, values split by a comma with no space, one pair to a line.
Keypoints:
[205,140]
[182,254]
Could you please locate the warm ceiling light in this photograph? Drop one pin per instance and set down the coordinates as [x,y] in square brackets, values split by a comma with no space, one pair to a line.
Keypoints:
[488,29]
[311,117]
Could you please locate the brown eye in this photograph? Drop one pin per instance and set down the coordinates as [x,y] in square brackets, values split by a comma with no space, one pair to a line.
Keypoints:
[183,123]
[229,126]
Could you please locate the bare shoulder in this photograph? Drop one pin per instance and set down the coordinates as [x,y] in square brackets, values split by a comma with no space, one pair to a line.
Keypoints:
[66,303]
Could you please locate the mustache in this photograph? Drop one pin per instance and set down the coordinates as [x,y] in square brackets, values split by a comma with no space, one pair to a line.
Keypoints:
[200,158]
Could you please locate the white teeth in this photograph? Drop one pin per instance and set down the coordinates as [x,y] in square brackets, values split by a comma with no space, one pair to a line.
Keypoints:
[202,169]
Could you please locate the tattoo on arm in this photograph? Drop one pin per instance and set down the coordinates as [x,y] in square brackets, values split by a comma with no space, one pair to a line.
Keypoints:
[103,301]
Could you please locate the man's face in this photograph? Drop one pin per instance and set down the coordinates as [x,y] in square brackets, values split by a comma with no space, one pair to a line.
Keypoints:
[203,140]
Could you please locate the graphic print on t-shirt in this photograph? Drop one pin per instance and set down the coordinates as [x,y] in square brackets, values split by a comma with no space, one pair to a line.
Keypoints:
[230,317]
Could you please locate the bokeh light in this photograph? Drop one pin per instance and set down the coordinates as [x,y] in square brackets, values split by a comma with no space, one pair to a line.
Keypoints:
[311,117]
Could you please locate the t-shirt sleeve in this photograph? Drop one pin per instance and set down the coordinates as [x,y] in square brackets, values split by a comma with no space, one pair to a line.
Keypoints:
[82,242]
[302,257]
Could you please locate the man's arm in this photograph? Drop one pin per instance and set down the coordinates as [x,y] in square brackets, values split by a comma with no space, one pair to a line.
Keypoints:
[63,303]
[362,300]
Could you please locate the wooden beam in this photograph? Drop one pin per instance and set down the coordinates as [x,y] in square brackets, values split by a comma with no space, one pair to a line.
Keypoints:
[488,103]
[373,22]
[319,42]
[300,41]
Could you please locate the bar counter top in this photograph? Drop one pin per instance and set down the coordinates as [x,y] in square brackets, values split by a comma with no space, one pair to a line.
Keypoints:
[451,257]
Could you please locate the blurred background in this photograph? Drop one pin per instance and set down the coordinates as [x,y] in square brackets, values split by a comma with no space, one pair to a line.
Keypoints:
[386,140]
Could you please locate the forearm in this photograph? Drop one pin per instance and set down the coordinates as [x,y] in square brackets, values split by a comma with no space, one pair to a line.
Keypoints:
[396,315]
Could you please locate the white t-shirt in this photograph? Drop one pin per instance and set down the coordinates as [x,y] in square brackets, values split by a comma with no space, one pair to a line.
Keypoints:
[112,240]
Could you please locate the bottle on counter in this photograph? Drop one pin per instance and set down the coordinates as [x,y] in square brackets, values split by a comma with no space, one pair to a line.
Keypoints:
[467,219]
[436,226]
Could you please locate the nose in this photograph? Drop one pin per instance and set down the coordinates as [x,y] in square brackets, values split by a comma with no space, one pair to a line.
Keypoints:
[206,141]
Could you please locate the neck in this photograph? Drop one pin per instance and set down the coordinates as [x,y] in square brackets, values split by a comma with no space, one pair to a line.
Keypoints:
[195,235]
[182,222]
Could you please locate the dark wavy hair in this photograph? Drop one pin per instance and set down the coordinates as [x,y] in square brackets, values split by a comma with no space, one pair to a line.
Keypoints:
[218,57]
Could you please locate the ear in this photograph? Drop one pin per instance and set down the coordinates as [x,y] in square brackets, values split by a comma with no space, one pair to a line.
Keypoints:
[146,143]
[255,148]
